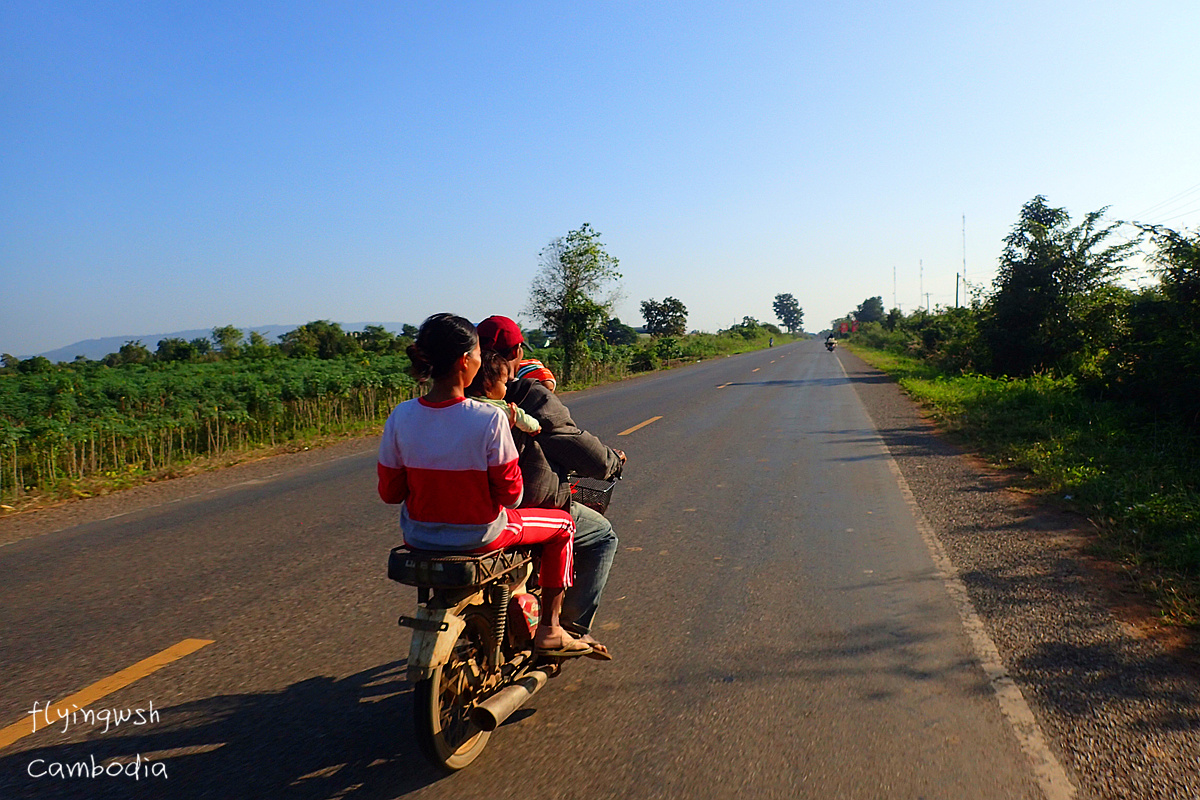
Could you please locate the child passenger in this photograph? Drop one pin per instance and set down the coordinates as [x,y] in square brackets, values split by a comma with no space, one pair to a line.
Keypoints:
[490,384]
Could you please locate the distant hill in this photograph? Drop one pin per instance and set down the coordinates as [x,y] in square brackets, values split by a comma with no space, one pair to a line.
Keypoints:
[96,349]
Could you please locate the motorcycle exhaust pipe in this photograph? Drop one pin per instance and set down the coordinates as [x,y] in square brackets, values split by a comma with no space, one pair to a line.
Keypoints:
[491,713]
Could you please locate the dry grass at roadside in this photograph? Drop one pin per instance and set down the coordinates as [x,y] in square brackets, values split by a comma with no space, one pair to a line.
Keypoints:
[101,485]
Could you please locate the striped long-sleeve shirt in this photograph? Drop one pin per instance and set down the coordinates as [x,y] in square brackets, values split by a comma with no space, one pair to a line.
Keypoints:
[453,465]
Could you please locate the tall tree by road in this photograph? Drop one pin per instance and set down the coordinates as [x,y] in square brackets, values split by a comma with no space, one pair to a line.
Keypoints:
[788,310]
[617,332]
[668,318]
[565,297]
[228,339]
[1036,318]
[869,310]
[1159,360]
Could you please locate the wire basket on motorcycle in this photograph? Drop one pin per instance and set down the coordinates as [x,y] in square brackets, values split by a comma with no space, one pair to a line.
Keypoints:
[590,492]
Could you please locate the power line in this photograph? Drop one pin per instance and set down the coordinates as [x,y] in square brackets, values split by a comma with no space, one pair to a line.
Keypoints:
[1186,213]
[1183,207]
[1168,201]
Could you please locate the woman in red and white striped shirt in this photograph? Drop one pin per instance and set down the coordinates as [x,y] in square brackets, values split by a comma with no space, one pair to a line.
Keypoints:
[452,463]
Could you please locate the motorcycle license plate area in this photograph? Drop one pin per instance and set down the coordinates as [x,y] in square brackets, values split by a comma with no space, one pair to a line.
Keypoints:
[432,643]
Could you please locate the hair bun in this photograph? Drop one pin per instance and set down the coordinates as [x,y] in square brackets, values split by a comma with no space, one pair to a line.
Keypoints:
[421,368]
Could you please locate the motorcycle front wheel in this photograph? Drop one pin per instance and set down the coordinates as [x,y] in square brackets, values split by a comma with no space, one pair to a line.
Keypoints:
[442,702]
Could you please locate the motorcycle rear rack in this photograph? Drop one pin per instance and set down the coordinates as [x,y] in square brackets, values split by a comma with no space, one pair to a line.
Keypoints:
[441,570]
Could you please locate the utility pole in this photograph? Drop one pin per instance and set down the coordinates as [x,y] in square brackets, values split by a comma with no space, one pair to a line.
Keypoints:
[956,277]
[964,272]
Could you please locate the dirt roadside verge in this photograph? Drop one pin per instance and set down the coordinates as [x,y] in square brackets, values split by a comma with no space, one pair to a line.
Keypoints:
[1117,693]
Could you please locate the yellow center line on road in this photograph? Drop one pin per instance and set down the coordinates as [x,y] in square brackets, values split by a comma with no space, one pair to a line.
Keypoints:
[99,689]
[723,385]
[628,431]
[756,369]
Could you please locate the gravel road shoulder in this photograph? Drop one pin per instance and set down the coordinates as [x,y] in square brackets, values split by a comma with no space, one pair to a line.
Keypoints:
[1120,704]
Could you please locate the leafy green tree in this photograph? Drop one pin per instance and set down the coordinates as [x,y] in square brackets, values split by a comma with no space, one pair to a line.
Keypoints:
[748,328]
[132,352]
[564,297]
[9,362]
[174,349]
[299,343]
[869,310]
[201,345]
[377,339]
[617,332]
[35,365]
[258,346]
[787,309]
[1159,363]
[1035,318]
[536,338]
[320,338]
[1177,260]
[668,318]
[409,331]
[228,340]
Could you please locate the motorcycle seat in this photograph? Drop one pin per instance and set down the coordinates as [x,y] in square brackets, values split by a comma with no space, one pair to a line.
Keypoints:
[450,570]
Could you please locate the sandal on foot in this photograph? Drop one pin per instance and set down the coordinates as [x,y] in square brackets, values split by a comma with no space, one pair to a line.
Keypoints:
[599,652]
[568,647]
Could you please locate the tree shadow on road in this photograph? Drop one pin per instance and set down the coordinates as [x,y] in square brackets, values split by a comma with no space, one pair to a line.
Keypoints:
[318,738]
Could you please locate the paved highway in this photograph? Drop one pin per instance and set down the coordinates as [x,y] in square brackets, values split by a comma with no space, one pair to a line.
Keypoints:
[781,623]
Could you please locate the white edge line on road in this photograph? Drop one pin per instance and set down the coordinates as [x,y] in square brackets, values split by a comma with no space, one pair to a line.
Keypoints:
[1050,775]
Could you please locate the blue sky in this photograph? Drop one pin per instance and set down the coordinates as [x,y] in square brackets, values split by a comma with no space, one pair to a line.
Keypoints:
[170,166]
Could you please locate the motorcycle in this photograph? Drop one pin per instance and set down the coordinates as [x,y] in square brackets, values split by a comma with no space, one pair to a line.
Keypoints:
[830,344]
[472,660]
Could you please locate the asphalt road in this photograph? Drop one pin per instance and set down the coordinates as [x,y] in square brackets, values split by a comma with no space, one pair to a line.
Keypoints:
[780,624]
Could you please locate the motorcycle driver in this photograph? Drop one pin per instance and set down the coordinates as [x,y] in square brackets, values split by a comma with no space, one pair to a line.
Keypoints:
[561,447]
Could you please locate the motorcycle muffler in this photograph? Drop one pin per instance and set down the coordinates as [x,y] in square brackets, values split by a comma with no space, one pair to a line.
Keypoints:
[491,713]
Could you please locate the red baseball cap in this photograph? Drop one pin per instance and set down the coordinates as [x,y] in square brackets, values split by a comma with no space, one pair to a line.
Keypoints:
[499,334]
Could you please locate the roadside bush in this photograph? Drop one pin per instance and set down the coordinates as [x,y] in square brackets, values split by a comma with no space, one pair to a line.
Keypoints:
[645,359]
[875,336]
[667,348]
[700,346]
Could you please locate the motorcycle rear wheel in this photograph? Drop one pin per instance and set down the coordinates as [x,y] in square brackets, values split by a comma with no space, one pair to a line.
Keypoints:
[442,702]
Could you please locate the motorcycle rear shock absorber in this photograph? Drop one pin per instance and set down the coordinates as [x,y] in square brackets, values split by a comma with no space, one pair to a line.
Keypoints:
[499,596]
